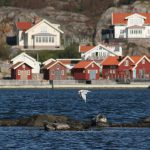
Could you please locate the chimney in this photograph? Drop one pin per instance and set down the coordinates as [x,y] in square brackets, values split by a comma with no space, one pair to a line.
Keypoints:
[36,19]
[120,58]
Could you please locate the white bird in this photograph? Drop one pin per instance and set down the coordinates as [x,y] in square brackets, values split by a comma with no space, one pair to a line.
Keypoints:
[83,93]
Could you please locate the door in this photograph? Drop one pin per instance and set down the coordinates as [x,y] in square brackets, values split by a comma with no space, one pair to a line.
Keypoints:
[92,74]
[23,75]
[142,74]
[134,74]
[58,74]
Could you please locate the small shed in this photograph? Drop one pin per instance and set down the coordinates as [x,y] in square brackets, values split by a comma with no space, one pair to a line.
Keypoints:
[55,70]
[21,71]
[86,70]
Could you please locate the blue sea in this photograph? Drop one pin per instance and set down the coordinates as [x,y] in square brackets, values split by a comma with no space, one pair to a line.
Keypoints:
[119,105]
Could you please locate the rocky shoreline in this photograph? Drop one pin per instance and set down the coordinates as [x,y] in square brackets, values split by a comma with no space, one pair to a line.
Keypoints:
[52,122]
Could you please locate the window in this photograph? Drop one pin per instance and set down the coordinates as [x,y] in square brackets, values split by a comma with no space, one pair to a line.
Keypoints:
[37,39]
[51,72]
[44,29]
[28,72]
[19,72]
[121,31]
[46,39]
[52,39]
[62,72]
[126,63]
[114,71]
[143,61]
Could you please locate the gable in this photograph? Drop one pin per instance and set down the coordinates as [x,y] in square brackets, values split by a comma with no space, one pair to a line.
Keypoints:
[43,26]
[135,16]
[53,64]
[140,61]
[22,57]
[127,58]
[122,18]
[99,48]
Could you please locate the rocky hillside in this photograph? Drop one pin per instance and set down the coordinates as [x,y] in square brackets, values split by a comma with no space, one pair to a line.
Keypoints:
[81,20]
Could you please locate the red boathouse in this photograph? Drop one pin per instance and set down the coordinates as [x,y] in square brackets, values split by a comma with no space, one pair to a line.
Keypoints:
[86,70]
[21,71]
[55,70]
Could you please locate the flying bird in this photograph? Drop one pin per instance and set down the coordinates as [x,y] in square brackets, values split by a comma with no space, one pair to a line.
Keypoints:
[83,94]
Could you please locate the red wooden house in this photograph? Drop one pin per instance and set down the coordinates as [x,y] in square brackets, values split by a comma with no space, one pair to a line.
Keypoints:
[86,70]
[21,71]
[141,70]
[133,67]
[110,67]
[55,70]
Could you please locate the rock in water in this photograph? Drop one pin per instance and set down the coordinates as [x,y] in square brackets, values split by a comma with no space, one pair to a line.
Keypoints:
[61,126]
[100,121]
[56,126]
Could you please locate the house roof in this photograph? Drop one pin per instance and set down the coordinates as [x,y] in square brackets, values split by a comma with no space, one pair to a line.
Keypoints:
[24,25]
[18,64]
[120,18]
[52,63]
[83,49]
[24,55]
[110,60]
[135,58]
[84,64]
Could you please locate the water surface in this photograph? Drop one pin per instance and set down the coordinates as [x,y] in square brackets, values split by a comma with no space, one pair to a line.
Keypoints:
[118,105]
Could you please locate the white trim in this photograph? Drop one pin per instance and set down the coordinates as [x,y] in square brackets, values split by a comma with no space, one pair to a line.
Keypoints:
[105,48]
[23,54]
[135,14]
[55,64]
[91,63]
[140,61]
[124,60]
[21,63]
[42,21]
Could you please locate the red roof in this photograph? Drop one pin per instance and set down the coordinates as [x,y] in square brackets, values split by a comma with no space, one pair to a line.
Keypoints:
[84,48]
[110,60]
[65,61]
[83,64]
[48,66]
[119,18]
[136,58]
[24,25]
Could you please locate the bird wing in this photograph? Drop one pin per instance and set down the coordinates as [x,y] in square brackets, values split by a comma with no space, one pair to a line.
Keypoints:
[83,95]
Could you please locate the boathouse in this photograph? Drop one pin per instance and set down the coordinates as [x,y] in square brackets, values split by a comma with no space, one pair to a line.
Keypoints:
[55,70]
[21,71]
[86,70]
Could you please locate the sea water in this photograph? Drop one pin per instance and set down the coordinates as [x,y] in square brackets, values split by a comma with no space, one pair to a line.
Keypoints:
[119,105]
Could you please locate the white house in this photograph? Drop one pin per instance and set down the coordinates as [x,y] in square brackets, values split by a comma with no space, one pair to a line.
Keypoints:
[23,57]
[100,51]
[38,34]
[131,25]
